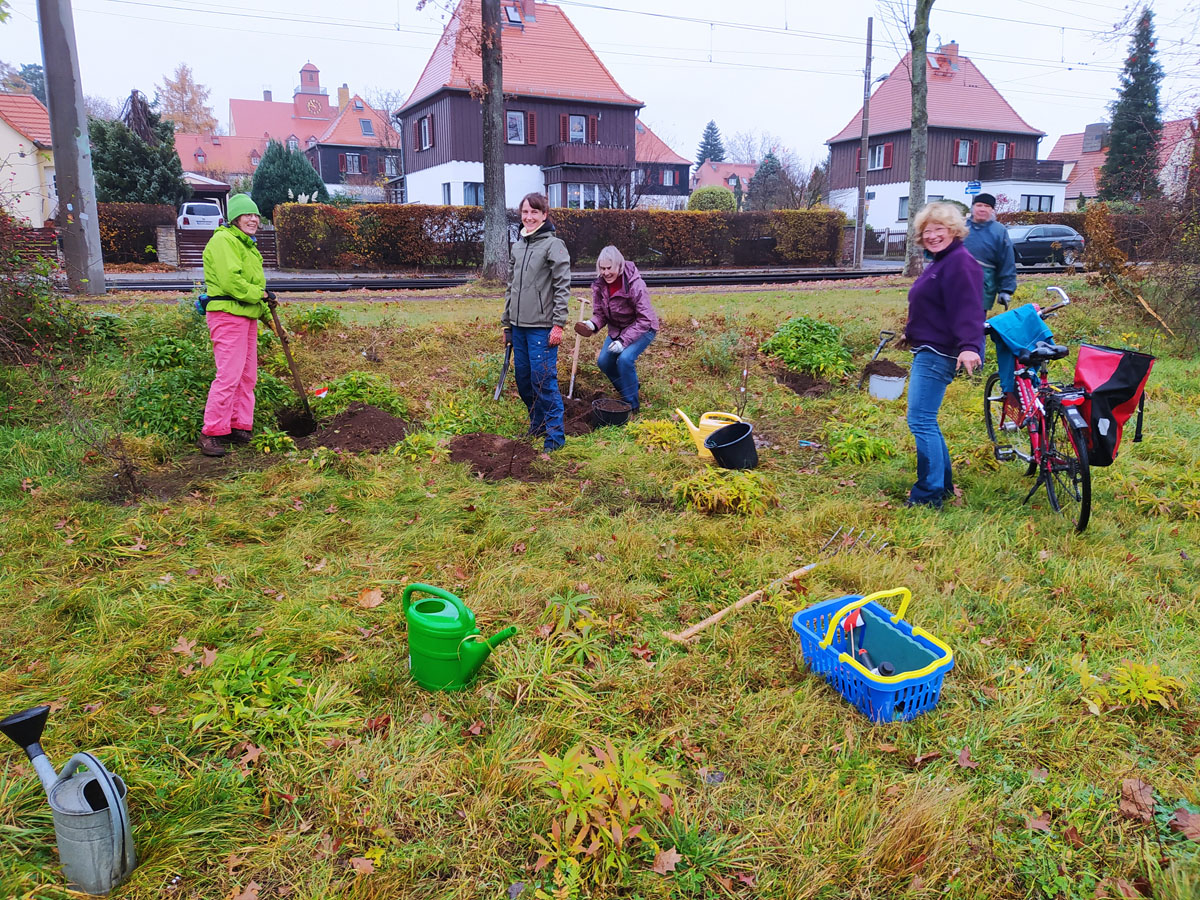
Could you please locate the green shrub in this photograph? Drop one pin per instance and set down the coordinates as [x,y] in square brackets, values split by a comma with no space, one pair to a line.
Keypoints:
[361,387]
[661,434]
[855,444]
[313,320]
[269,440]
[717,354]
[713,198]
[806,345]
[713,490]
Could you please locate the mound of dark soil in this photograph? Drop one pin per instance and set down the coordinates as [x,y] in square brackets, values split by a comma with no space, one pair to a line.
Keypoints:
[804,385]
[493,457]
[360,427]
[886,368]
[577,411]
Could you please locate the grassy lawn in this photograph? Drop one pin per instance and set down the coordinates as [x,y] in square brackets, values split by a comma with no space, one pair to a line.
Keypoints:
[221,645]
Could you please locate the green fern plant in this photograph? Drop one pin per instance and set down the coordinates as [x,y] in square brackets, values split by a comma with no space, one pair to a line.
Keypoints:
[743,491]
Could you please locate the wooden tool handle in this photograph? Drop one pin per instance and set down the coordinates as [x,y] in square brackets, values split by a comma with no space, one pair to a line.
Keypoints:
[684,636]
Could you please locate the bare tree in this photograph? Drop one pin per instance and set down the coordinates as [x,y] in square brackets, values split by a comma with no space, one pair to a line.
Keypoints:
[386,101]
[99,108]
[495,212]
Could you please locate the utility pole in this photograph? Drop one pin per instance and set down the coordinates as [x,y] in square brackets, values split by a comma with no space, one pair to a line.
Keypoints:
[495,209]
[860,221]
[72,152]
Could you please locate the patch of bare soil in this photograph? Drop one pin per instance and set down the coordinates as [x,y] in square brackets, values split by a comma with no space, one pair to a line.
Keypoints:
[884,367]
[577,411]
[176,478]
[493,457]
[804,385]
[359,428]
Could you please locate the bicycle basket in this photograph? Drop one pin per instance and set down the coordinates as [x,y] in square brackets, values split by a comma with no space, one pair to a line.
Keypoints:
[921,660]
[1115,380]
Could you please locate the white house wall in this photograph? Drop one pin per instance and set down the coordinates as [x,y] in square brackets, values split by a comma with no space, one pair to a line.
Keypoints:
[883,209]
[26,191]
[425,186]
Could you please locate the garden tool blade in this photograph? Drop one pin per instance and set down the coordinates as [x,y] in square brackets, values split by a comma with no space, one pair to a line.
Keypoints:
[503,371]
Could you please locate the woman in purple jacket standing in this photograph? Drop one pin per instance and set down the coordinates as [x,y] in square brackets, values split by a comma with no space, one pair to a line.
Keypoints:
[620,301]
[945,333]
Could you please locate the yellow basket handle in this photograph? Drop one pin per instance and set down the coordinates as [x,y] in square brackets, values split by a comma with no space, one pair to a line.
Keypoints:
[847,659]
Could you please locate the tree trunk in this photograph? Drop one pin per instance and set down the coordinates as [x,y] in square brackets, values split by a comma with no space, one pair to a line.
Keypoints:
[914,259]
[495,218]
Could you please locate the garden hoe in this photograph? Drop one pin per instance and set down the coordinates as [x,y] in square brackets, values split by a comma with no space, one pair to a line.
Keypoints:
[830,549]
[884,337]
[308,421]
[583,302]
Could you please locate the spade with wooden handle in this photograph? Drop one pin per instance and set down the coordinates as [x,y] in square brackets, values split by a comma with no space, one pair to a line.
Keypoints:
[583,302]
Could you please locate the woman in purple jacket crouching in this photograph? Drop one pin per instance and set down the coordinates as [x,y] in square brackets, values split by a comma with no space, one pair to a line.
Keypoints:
[945,332]
[620,301]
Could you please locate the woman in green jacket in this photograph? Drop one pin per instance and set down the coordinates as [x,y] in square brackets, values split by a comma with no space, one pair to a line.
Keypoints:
[237,299]
[535,311]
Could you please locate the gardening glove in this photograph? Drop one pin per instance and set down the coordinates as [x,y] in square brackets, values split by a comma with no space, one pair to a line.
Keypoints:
[507,336]
[1002,298]
[585,328]
[555,336]
[615,348]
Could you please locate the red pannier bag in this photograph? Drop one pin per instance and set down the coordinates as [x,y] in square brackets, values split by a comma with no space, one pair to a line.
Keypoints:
[1115,381]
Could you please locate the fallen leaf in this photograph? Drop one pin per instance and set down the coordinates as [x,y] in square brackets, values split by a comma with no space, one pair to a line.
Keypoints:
[249,893]
[334,743]
[184,647]
[232,861]
[362,865]
[924,759]
[1186,823]
[473,730]
[220,581]
[518,548]
[140,545]
[193,572]
[544,631]
[250,757]
[642,651]
[165,579]
[1038,823]
[369,598]
[189,669]
[746,878]
[92,707]
[317,566]
[1072,836]
[1116,887]
[665,861]
[208,656]
[1137,800]
[1043,554]
[56,705]
[378,724]
[156,710]
[948,588]
[1039,775]
[327,846]
[964,759]
[888,748]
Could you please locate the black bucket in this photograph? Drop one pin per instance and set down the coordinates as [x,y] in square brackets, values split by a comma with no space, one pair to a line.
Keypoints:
[607,411]
[732,446]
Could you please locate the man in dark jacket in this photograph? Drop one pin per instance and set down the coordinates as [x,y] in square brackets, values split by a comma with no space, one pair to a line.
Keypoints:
[989,243]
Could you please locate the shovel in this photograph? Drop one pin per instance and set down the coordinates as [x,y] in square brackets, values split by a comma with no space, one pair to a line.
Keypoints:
[287,352]
[583,302]
[884,337]
[503,371]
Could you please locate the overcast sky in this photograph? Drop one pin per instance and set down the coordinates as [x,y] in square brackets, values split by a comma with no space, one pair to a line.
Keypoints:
[789,67]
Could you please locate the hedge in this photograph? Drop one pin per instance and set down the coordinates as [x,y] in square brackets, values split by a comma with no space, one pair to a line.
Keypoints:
[382,236]
[1139,235]
[127,230]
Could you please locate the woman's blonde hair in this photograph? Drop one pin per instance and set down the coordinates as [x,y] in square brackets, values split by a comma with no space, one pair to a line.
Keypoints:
[939,212]
[610,254]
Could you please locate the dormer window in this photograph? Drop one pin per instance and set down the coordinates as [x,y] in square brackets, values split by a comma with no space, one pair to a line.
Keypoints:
[216,139]
[254,157]
[293,143]
[358,104]
[368,129]
[312,141]
[513,15]
[201,159]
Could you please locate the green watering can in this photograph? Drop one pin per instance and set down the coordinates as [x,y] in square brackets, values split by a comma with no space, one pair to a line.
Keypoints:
[445,648]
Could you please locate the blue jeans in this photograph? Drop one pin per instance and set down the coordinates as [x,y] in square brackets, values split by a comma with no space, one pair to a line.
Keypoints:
[931,373]
[536,368]
[621,368]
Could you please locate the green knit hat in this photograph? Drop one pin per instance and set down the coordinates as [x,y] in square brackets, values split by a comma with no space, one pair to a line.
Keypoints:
[241,205]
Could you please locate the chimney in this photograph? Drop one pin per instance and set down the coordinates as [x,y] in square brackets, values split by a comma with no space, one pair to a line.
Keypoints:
[343,97]
[267,95]
[527,12]
[950,51]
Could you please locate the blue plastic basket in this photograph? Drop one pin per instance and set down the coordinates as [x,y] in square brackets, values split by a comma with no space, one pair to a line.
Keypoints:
[895,698]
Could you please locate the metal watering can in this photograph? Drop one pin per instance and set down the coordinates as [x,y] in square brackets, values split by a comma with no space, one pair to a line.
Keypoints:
[445,649]
[709,422]
[91,822]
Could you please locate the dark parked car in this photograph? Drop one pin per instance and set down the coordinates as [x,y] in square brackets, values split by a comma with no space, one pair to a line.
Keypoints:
[1035,244]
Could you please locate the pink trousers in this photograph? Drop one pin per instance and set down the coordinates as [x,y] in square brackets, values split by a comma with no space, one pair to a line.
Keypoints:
[231,397]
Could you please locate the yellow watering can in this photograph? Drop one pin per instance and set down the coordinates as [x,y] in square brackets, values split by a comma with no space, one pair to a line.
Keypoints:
[709,422]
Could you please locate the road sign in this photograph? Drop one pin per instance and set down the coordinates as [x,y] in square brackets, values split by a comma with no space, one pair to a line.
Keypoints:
[973,188]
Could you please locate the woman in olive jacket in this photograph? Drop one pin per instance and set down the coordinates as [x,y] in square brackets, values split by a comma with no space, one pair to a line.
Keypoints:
[237,299]
[535,311]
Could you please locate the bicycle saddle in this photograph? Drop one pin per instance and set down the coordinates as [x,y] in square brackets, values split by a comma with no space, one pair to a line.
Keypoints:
[1044,352]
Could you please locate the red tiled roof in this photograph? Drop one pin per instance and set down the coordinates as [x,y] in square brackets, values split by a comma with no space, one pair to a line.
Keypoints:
[223,154]
[960,98]
[717,174]
[650,148]
[27,116]
[545,57]
[253,118]
[1084,179]
[347,130]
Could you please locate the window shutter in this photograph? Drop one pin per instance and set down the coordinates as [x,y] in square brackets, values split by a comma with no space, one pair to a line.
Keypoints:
[662,176]
[430,129]
[379,165]
[416,134]
[531,128]
[995,144]
[887,155]
[341,162]
[1012,151]
[593,130]
[564,128]
[973,155]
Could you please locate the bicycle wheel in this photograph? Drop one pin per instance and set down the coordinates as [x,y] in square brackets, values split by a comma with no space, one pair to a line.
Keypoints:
[996,415]
[1065,463]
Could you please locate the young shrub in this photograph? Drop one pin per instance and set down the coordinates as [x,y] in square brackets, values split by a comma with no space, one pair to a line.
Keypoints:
[713,490]
[855,444]
[271,441]
[657,434]
[717,355]
[807,345]
[312,320]
[361,387]
[418,445]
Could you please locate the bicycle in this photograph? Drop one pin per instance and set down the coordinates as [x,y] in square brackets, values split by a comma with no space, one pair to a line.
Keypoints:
[1050,414]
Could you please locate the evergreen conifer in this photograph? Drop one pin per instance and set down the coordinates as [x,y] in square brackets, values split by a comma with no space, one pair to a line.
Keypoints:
[1131,169]
[281,170]
[710,147]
